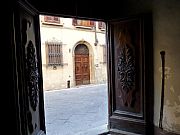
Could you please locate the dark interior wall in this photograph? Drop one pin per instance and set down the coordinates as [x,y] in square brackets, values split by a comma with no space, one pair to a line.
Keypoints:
[135,7]
[73,8]
[8,76]
[92,9]
[55,7]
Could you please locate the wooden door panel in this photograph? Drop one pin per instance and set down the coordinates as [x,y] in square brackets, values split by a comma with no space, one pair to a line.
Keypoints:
[82,73]
[78,67]
[85,58]
[29,70]
[127,83]
[78,79]
[78,70]
[78,58]
[86,73]
[128,61]
[85,68]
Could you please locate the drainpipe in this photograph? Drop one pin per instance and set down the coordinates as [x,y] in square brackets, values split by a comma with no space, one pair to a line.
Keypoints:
[96,56]
[95,32]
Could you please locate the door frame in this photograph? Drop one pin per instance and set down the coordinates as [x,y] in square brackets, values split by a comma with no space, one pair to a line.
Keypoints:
[91,60]
[81,71]
[148,79]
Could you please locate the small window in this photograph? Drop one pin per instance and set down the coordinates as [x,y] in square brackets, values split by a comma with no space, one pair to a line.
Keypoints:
[104,59]
[83,23]
[102,25]
[54,53]
[52,20]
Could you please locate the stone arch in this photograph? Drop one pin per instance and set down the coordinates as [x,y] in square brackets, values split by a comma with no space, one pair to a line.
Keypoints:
[91,59]
[91,53]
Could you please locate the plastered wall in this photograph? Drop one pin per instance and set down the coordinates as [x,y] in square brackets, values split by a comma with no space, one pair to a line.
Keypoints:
[166,31]
[71,36]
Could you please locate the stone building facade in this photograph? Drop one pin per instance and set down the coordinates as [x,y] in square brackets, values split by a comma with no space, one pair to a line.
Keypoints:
[73,52]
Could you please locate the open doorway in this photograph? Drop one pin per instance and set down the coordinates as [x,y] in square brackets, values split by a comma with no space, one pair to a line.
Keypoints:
[74,75]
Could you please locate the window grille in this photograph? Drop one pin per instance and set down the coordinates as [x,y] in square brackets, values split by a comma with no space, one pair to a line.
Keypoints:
[54,53]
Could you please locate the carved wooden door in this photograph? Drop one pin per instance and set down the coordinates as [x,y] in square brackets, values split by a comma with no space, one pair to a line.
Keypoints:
[130,108]
[82,72]
[29,73]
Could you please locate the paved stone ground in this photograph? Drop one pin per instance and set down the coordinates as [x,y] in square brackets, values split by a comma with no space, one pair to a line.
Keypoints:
[77,111]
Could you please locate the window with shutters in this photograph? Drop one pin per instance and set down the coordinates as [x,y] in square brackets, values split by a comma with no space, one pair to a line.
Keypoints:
[53,20]
[54,53]
[104,58]
[83,23]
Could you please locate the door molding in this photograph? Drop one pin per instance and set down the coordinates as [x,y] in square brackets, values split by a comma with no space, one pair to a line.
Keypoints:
[130,79]
[82,68]
[91,60]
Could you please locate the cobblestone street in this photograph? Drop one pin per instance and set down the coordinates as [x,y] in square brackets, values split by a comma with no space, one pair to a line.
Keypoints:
[77,111]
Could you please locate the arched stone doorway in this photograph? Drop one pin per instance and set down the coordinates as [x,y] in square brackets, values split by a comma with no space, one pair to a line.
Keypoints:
[82,68]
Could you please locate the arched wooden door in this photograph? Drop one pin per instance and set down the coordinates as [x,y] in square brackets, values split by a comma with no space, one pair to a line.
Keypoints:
[82,72]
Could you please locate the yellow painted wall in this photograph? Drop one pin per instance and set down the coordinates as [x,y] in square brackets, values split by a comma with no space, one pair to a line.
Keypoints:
[70,36]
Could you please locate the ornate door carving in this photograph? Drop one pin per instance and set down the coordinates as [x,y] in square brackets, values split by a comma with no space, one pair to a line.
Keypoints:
[82,72]
[29,76]
[128,103]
